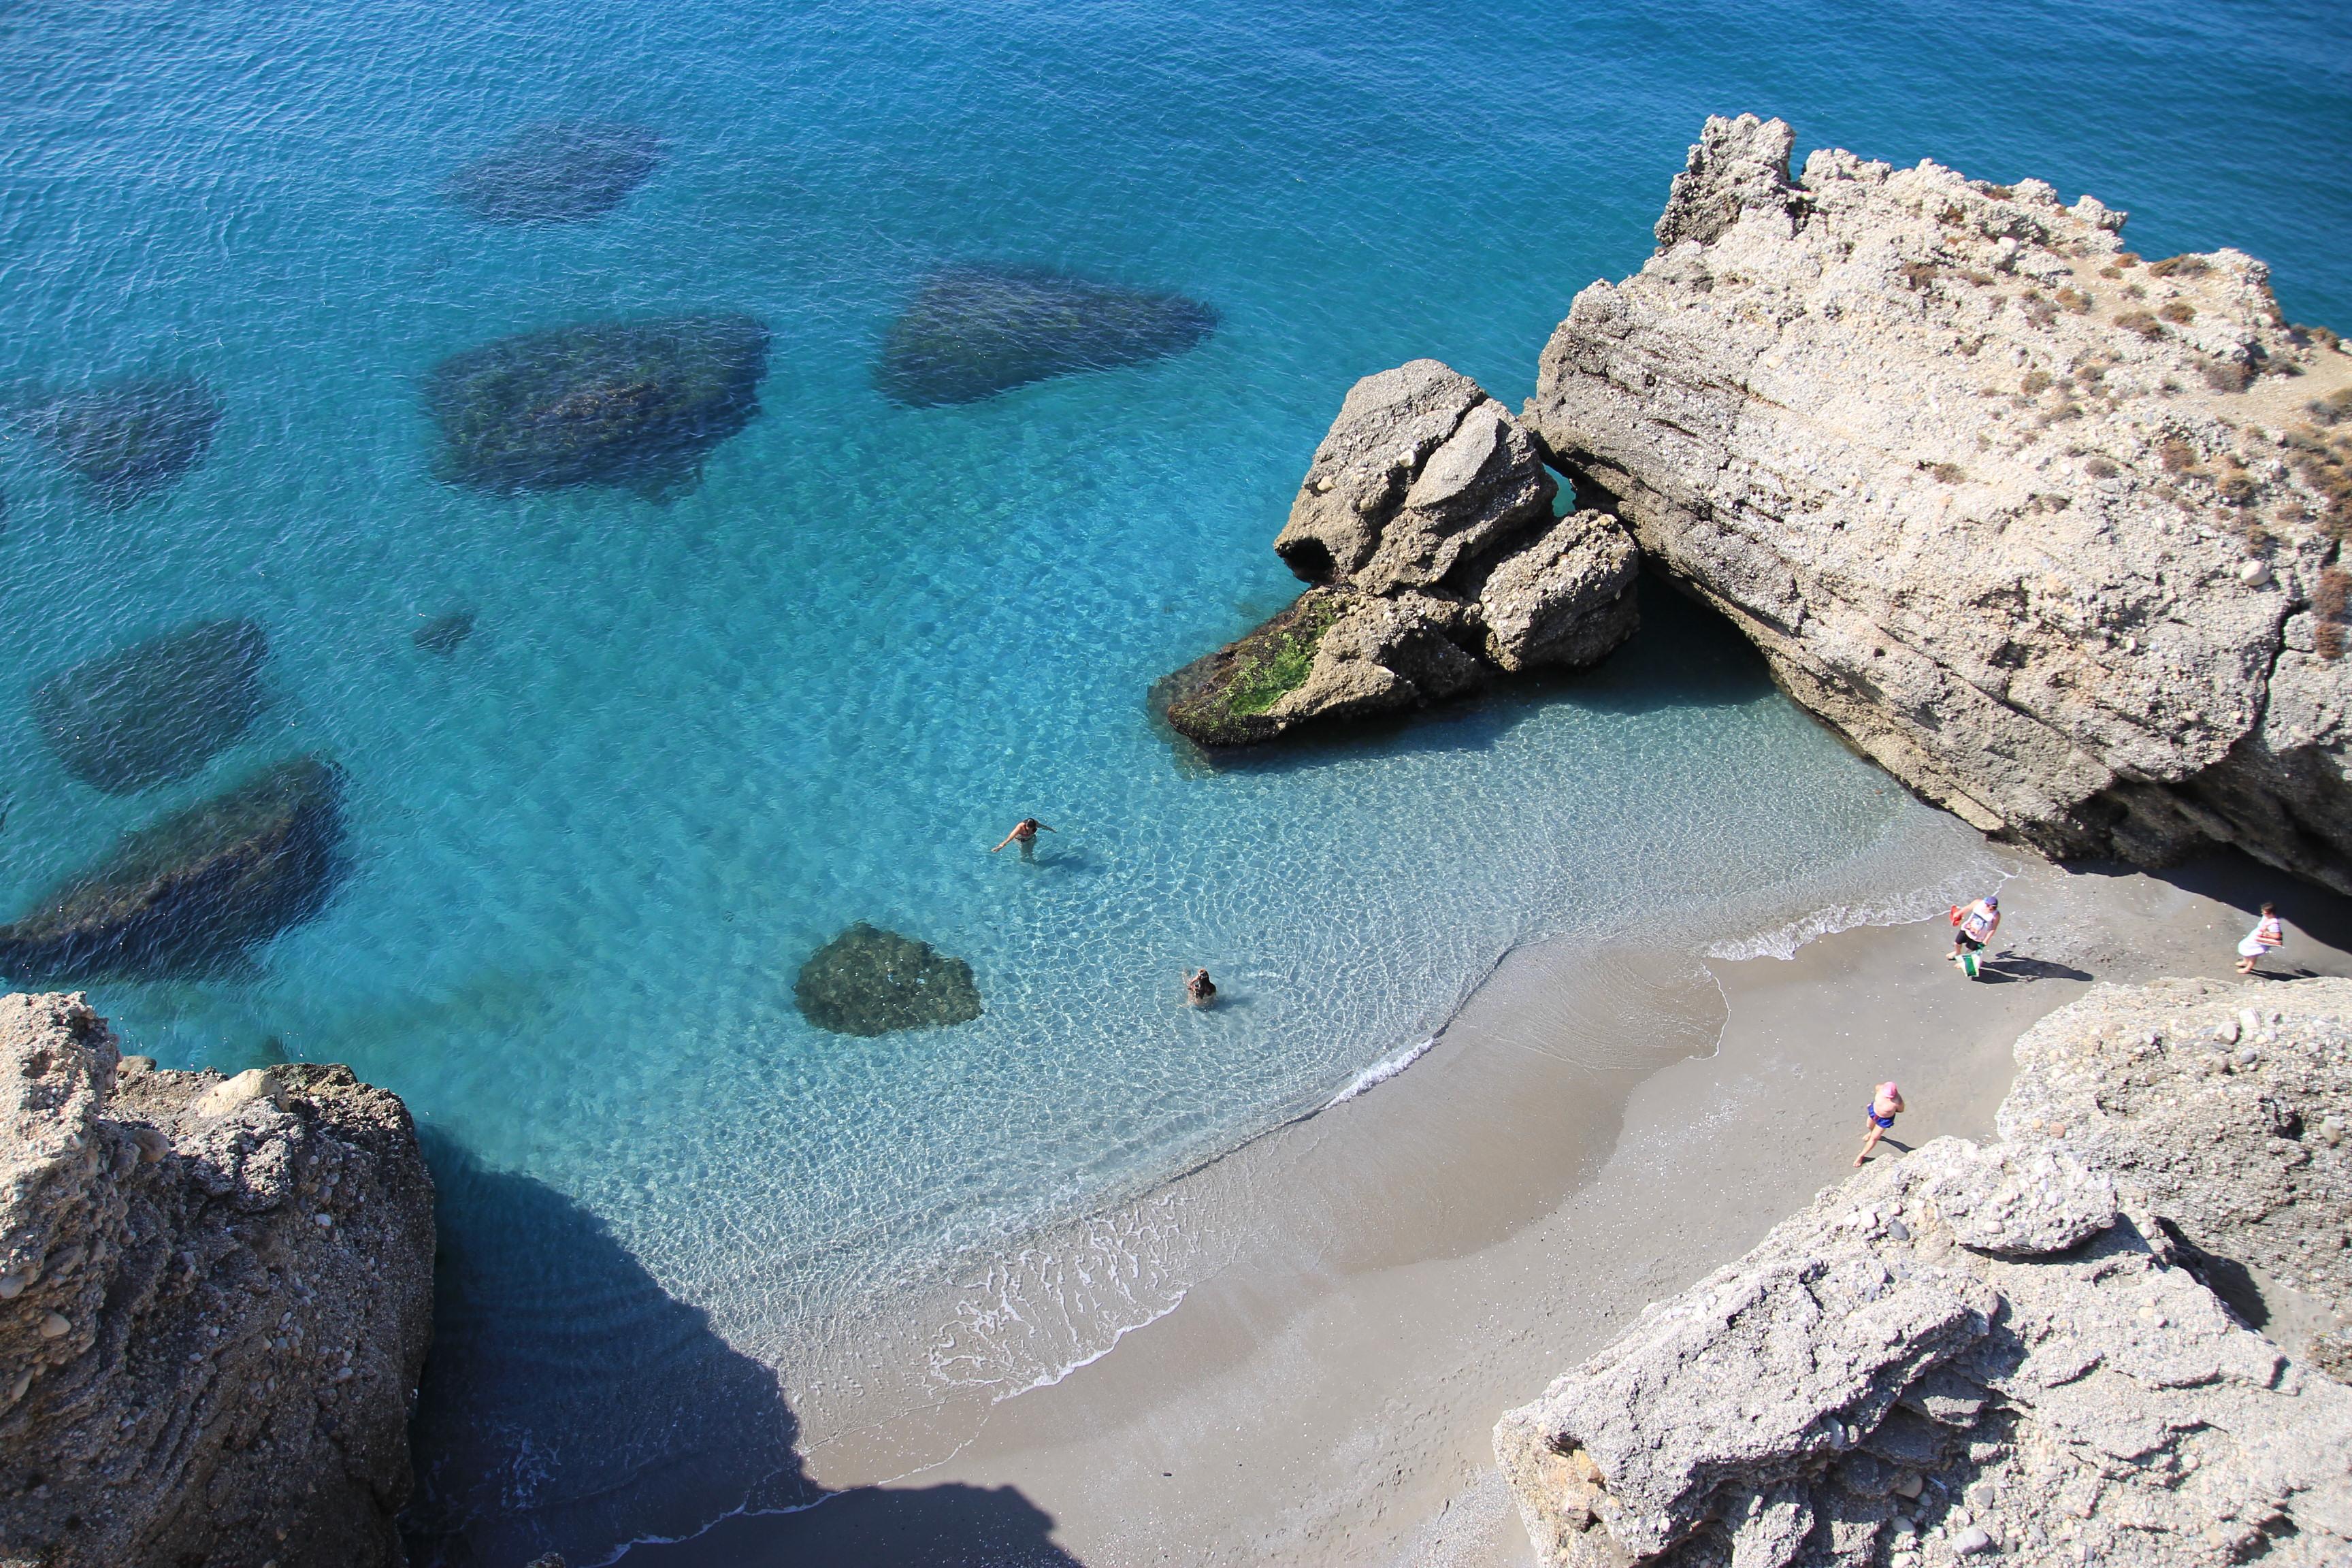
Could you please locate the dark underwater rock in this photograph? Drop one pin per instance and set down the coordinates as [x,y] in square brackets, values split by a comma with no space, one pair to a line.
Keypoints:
[128,439]
[157,710]
[974,331]
[442,634]
[868,981]
[632,404]
[557,171]
[196,888]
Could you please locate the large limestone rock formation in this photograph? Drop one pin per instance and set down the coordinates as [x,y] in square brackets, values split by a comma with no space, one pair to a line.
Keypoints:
[2049,531]
[214,1304]
[2007,1349]
[195,891]
[1426,523]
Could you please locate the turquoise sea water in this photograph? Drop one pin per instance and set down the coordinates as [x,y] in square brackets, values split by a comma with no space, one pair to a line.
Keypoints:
[689,740]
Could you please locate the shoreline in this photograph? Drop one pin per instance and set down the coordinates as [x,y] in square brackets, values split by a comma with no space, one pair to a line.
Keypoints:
[1428,1252]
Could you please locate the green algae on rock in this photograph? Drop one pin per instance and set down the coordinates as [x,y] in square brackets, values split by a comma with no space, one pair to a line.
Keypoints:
[155,711]
[1221,698]
[193,890]
[128,439]
[635,405]
[869,981]
[974,331]
[556,171]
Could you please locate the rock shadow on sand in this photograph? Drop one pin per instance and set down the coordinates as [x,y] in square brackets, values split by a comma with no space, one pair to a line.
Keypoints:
[570,1405]
[556,171]
[129,440]
[156,712]
[634,404]
[192,893]
[976,331]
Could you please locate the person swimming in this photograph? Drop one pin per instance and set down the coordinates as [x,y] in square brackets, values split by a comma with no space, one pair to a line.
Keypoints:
[1886,1105]
[1200,991]
[1025,833]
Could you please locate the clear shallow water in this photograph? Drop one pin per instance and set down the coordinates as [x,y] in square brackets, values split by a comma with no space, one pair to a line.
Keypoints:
[688,742]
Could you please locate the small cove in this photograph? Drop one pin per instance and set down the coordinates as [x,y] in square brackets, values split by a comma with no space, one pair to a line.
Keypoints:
[686,738]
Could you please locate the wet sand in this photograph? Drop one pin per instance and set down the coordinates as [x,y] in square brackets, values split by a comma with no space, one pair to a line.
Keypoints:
[1595,1130]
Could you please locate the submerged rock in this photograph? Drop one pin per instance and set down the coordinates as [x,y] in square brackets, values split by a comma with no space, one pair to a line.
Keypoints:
[1426,521]
[631,403]
[157,710]
[1999,1349]
[2051,532]
[868,981]
[974,331]
[128,439]
[443,633]
[195,890]
[216,1294]
[557,171]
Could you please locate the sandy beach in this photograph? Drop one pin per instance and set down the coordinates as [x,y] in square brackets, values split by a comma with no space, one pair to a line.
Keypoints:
[1595,1131]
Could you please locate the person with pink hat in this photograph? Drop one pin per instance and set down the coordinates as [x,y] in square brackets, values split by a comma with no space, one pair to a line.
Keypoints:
[1885,1104]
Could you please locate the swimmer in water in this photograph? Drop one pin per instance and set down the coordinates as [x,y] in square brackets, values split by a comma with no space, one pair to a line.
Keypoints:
[1200,991]
[1025,833]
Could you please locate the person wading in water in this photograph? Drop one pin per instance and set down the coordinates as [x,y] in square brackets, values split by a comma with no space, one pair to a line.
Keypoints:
[1025,833]
[1200,991]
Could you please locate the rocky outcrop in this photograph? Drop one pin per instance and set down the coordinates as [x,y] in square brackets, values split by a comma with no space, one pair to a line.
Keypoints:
[973,332]
[195,890]
[869,981]
[2000,1350]
[558,171]
[128,440]
[155,711]
[1425,522]
[636,405]
[2049,531]
[214,1304]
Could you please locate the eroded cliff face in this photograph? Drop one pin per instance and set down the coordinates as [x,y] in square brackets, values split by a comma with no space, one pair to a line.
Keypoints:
[215,1298]
[2049,531]
[2010,1348]
[1425,524]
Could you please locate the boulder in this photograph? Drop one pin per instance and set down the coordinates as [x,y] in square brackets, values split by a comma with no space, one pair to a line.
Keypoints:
[156,712]
[195,890]
[128,439]
[975,330]
[2049,531]
[213,1309]
[636,405]
[557,171]
[1972,1349]
[442,634]
[1426,523]
[869,981]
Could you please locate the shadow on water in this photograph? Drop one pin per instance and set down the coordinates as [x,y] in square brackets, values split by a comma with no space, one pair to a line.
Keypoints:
[570,1405]
[1685,655]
